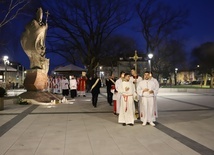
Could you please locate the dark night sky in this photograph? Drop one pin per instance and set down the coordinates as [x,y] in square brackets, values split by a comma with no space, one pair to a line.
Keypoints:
[199,30]
[201,22]
[200,27]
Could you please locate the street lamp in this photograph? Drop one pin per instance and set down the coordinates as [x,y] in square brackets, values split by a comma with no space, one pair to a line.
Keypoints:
[176,71]
[6,62]
[150,56]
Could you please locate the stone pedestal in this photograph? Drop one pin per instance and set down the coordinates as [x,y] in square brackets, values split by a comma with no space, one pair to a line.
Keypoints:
[35,80]
[1,103]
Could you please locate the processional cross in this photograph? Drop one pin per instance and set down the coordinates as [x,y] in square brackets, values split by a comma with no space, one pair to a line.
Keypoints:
[135,58]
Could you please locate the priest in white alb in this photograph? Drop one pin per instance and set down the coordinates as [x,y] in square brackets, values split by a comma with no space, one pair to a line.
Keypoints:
[146,90]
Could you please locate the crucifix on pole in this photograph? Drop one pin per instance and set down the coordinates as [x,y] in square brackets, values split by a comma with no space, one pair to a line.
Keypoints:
[47,14]
[135,58]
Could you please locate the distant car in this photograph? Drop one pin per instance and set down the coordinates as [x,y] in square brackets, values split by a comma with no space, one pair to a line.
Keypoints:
[195,82]
[185,82]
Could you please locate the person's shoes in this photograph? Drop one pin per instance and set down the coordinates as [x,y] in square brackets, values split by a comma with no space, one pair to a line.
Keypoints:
[124,124]
[152,124]
[144,124]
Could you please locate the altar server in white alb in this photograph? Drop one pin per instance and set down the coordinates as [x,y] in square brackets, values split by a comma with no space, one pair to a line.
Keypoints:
[127,108]
[146,89]
[73,86]
[117,95]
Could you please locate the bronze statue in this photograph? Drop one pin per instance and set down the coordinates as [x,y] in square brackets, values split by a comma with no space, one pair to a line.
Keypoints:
[33,42]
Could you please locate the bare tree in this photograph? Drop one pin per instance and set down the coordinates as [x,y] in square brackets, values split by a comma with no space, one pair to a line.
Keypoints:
[159,23]
[79,28]
[10,9]
[116,47]
[204,57]
[169,56]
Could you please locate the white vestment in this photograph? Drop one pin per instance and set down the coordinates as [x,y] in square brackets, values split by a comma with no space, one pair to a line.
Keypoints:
[118,83]
[73,84]
[59,86]
[147,106]
[155,96]
[127,107]
[55,82]
[65,84]
[136,80]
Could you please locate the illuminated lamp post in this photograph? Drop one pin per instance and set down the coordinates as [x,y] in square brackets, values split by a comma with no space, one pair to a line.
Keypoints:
[176,71]
[6,62]
[150,56]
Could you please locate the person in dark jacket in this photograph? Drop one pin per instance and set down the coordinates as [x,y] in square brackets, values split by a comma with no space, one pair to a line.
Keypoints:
[109,83]
[95,84]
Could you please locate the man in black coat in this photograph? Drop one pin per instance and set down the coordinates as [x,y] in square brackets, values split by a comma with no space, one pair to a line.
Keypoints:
[109,83]
[95,84]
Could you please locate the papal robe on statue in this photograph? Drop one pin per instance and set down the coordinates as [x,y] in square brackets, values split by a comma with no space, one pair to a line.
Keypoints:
[127,108]
[33,43]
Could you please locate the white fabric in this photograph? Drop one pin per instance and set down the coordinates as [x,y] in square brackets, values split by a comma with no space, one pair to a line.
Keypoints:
[50,84]
[156,86]
[65,84]
[135,83]
[127,109]
[55,83]
[155,96]
[64,100]
[59,89]
[147,113]
[73,84]
[137,99]
[118,83]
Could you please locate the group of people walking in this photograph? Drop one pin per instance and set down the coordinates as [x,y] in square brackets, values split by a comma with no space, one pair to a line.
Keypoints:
[134,97]
[62,85]
[77,86]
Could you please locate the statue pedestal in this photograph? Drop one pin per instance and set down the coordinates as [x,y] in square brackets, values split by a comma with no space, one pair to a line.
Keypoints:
[35,80]
[1,103]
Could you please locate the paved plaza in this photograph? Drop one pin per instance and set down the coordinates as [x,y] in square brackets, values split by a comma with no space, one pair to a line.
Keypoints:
[184,127]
